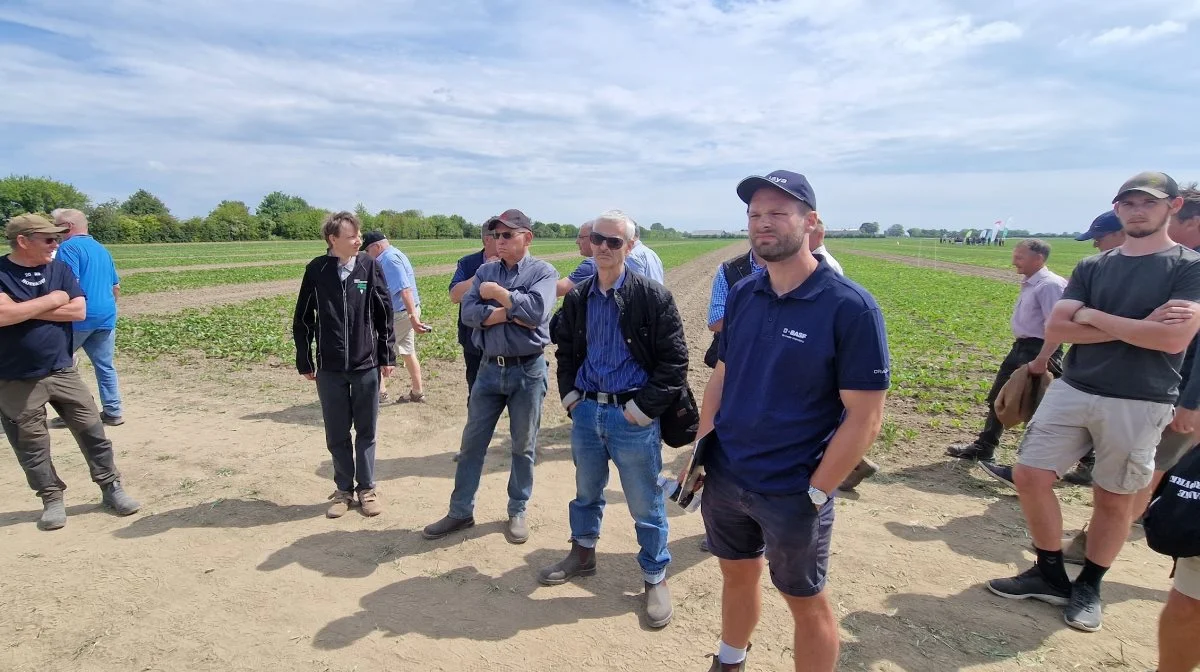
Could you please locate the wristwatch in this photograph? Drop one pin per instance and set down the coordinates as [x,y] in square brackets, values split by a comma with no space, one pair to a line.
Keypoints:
[817,496]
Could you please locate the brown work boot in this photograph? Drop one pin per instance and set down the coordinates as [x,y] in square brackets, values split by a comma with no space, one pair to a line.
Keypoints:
[342,501]
[864,470]
[718,666]
[580,561]
[369,501]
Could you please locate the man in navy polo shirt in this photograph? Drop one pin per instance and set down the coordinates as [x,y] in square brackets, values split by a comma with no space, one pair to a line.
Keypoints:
[785,441]
[460,284]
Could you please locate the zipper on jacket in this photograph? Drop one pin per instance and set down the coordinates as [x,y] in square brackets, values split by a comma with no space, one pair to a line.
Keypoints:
[346,324]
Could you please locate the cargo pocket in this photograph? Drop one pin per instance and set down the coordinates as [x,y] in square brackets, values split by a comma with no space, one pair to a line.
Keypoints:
[1137,473]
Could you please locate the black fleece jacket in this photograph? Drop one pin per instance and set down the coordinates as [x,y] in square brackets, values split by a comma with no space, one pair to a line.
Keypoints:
[350,321]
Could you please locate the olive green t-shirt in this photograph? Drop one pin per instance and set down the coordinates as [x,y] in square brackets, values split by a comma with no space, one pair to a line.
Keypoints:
[1130,287]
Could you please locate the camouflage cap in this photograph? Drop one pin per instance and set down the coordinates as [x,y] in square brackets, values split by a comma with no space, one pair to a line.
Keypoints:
[23,225]
[1158,185]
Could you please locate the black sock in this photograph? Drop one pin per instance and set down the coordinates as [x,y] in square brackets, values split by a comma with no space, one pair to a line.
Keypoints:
[1091,574]
[1051,565]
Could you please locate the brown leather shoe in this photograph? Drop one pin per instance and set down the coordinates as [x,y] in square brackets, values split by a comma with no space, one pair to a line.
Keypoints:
[369,501]
[342,501]
[579,562]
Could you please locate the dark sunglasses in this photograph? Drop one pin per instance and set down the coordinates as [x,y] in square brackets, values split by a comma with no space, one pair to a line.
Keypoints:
[612,243]
[46,240]
[507,235]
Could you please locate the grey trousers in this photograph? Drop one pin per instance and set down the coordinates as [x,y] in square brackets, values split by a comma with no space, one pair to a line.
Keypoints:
[350,400]
[23,411]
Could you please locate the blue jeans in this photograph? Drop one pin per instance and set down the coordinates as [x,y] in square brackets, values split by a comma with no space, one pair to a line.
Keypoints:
[601,433]
[99,344]
[521,388]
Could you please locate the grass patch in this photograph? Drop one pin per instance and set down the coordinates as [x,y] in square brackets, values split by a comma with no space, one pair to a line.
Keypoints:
[1065,253]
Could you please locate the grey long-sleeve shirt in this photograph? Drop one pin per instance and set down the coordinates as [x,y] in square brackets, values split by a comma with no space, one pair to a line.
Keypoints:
[531,284]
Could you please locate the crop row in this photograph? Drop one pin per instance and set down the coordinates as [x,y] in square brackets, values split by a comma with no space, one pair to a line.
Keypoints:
[1064,253]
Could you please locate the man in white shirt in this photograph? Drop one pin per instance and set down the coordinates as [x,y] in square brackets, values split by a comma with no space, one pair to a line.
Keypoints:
[816,243]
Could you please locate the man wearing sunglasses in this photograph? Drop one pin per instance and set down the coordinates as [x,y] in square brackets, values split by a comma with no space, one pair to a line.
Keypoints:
[615,389]
[39,300]
[508,309]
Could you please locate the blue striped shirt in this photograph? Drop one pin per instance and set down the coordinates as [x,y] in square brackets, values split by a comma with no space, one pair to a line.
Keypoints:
[609,367]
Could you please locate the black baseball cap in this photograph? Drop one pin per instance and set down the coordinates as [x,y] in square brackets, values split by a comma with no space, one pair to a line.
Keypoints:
[792,184]
[1158,185]
[372,238]
[513,219]
[1103,225]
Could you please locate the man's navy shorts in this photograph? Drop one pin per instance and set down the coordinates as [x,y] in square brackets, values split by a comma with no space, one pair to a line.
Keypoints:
[741,525]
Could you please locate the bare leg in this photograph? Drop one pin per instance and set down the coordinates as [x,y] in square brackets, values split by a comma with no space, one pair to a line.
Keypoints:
[741,600]
[414,373]
[1143,496]
[1178,645]
[1111,519]
[815,640]
[1035,489]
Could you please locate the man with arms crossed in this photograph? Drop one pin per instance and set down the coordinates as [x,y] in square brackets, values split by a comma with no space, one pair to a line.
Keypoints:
[508,306]
[1129,314]
[39,299]
[784,442]
[615,390]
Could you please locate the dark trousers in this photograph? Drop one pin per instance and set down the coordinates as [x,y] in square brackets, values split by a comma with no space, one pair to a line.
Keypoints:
[473,360]
[1024,350]
[23,407]
[348,400]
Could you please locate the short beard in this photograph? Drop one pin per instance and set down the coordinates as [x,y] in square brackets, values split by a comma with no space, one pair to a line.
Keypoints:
[784,248]
[1147,233]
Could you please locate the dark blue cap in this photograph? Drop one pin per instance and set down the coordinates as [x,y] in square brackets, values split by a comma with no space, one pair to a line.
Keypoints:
[1103,225]
[793,184]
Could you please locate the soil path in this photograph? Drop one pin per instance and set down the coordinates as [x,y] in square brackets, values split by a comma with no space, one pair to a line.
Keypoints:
[217,295]
[231,564]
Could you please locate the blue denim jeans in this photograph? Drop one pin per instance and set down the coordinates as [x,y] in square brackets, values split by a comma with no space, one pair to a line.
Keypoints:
[520,388]
[100,344]
[601,433]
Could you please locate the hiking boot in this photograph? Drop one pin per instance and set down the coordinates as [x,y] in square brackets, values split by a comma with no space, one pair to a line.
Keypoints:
[1030,584]
[718,666]
[516,531]
[1080,475]
[1000,472]
[971,451]
[118,500]
[57,423]
[342,501]
[1085,611]
[581,561]
[446,526]
[54,512]
[864,470]
[658,604]
[111,420]
[368,500]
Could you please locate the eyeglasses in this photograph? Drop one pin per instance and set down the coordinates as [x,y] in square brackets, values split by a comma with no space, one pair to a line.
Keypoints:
[507,235]
[612,243]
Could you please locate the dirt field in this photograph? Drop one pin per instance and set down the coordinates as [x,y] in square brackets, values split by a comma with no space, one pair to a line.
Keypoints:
[231,564]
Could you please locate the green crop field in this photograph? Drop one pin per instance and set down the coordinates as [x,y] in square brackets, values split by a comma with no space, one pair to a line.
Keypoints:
[260,330]
[1064,252]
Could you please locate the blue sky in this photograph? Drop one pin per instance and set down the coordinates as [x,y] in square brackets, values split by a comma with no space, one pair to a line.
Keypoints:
[923,113]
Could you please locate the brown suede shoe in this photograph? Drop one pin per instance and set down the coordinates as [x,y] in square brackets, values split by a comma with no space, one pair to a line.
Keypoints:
[369,501]
[342,501]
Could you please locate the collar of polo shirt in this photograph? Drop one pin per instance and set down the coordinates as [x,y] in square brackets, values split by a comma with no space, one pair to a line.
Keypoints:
[807,291]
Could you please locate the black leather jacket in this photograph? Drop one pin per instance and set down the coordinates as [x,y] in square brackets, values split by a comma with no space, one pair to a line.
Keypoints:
[350,321]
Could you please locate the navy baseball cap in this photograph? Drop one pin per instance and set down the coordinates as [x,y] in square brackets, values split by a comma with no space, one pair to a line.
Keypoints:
[793,184]
[372,238]
[1103,225]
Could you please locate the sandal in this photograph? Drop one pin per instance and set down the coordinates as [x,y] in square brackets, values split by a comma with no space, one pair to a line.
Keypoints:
[416,398]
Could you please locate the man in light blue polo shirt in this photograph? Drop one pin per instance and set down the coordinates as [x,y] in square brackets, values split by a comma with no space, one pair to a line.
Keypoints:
[97,333]
[406,306]
[783,442]
[644,260]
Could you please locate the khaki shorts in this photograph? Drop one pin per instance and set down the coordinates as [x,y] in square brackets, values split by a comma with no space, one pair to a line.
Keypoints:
[406,338]
[1068,423]
[1171,449]
[1187,577]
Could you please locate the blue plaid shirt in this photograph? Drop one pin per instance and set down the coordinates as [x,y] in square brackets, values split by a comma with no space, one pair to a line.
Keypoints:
[720,290]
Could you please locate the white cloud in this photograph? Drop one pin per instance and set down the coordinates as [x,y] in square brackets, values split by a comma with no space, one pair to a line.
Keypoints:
[561,108]
[1130,36]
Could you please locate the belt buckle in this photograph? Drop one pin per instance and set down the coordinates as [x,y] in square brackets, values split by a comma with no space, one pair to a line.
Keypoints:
[606,398]
[500,360]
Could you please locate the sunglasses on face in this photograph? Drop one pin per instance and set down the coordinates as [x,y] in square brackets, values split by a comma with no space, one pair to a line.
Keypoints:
[507,235]
[47,240]
[612,243]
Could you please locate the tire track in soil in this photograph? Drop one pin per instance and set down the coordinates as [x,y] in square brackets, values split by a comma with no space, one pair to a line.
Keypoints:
[166,303]
[954,267]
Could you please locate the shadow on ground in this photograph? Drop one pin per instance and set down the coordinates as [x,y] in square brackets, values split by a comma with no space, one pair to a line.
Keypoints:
[222,513]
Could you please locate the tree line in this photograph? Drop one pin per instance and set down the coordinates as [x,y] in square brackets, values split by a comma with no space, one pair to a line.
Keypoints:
[145,218]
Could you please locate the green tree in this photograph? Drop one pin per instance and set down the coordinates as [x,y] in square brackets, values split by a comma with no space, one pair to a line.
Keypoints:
[102,221]
[23,193]
[301,224]
[142,202]
[869,228]
[895,231]
[231,220]
[275,206]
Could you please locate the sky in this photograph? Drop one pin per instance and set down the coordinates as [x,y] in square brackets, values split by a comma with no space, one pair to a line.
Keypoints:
[926,113]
